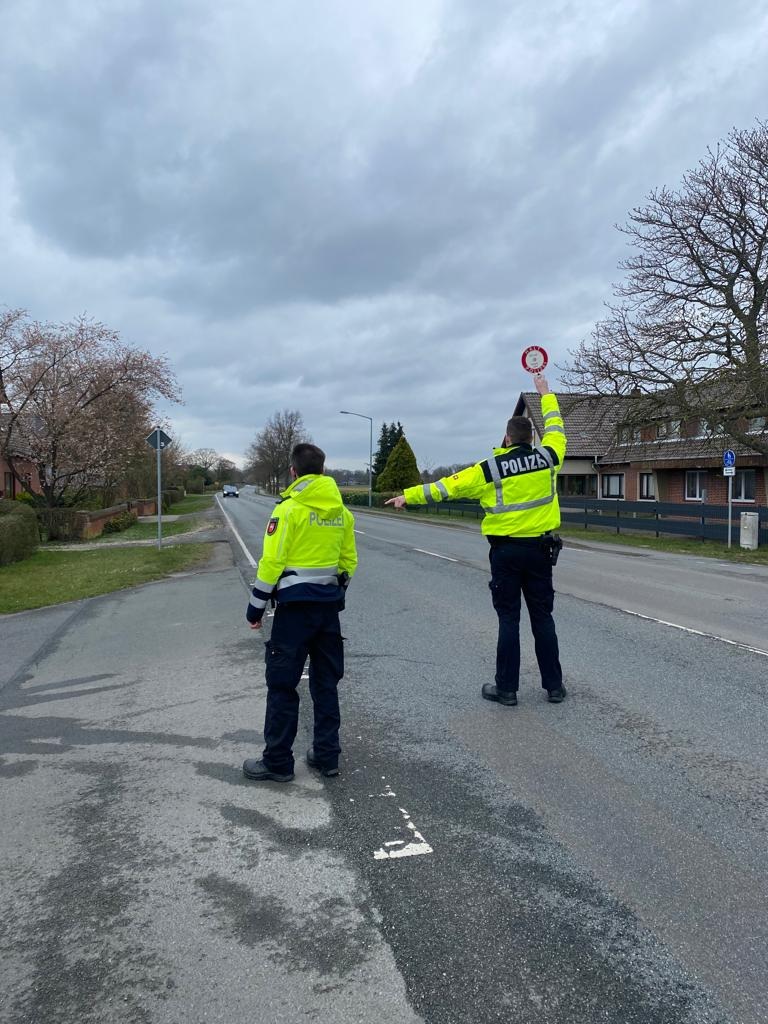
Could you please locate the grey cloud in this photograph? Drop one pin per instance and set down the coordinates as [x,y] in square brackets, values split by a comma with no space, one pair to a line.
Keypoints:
[314,206]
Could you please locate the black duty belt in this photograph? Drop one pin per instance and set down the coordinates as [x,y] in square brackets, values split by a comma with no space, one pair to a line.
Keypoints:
[493,540]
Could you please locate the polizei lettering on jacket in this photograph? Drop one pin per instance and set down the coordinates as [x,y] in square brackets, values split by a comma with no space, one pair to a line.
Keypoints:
[316,520]
[511,465]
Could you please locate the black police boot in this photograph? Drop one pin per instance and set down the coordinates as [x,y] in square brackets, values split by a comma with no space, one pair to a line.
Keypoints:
[557,696]
[325,770]
[259,772]
[491,692]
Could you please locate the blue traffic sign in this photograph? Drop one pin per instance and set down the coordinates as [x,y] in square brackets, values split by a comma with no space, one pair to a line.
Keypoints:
[729,457]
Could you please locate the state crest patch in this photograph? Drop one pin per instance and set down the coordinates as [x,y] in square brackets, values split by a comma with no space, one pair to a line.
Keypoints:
[272,526]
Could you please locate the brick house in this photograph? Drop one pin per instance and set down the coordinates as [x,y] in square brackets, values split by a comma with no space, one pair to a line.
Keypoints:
[668,460]
[9,485]
[590,422]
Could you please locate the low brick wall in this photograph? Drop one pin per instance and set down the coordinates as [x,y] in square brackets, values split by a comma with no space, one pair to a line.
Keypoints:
[94,527]
[143,506]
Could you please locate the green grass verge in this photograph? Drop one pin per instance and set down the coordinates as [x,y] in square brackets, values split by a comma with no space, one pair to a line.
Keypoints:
[675,545]
[192,503]
[50,577]
[148,531]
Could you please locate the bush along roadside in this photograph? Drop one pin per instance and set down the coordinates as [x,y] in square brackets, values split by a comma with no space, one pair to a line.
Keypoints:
[19,536]
[120,522]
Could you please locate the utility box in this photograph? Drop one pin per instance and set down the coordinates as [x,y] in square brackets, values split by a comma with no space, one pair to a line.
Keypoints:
[748,532]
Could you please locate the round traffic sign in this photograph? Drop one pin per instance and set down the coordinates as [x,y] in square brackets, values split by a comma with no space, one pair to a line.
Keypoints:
[534,359]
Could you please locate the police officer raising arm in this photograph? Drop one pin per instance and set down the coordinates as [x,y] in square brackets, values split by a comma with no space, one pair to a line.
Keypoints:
[517,488]
[307,560]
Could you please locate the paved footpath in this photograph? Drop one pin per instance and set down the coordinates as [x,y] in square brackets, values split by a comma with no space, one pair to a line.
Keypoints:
[141,878]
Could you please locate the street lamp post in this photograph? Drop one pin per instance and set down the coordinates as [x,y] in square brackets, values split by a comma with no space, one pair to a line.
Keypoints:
[345,412]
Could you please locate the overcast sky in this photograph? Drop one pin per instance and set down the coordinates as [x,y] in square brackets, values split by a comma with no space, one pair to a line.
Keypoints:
[350,204]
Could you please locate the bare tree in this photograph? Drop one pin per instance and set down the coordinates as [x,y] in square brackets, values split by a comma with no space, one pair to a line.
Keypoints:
[269,455]
[688,336]
[225,470]
[78,399]
[206,458]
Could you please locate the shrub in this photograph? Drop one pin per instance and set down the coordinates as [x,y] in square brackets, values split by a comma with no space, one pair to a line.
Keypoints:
[120,522]
[195,485]
[19,535]
[401,470]
[26,498]
[361,497]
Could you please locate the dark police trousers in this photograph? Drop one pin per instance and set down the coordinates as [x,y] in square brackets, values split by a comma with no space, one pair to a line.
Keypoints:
[522,566]
[303,629]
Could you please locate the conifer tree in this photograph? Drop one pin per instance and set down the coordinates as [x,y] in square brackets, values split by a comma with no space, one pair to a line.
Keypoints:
[401,470]
[389,435]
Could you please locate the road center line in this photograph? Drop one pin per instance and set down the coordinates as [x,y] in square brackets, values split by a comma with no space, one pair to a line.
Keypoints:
[233,528]
[697,632]
[435,554]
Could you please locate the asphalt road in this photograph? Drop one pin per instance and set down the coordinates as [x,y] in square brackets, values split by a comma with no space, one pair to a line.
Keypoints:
[599,860]
[602,860]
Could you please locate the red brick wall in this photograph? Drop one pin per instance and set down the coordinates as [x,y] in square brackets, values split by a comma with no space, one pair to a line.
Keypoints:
[716,485]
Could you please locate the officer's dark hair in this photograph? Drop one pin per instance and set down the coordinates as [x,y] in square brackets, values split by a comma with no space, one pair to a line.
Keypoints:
[307,458]
[520,430]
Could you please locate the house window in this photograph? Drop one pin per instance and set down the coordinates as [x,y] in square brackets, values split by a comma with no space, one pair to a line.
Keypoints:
[756,424]
[613,485]
[668,429]
[744,485]
[577,486]
[695,484]
[629,434]
[647,487]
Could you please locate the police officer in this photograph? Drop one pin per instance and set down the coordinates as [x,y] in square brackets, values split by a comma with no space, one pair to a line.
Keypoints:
[517,490]
[308,558]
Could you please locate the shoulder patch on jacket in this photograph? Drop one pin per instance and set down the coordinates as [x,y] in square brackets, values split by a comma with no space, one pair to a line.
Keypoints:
[272,525]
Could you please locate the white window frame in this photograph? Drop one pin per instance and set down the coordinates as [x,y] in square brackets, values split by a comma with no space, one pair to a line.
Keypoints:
[738,478]
[604,478]
[640,495]
[701,475]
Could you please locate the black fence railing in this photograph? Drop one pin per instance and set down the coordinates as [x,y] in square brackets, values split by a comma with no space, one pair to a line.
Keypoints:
[695,519]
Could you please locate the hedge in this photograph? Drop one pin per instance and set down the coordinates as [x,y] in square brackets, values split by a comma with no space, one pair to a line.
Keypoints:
[361,497]
[19,535]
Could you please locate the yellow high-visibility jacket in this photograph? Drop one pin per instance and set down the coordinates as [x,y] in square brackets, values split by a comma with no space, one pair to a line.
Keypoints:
[309,542]
[517,486]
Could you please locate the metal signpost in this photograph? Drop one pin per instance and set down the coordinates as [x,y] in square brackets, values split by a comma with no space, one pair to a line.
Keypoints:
[729,470]
[158,440]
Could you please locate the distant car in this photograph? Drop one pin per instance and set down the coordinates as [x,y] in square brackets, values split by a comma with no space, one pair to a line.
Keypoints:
[230,491]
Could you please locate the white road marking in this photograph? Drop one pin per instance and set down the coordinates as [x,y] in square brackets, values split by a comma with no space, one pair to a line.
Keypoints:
[361,532]
[435,554]
[698,632]
[395,848]
[241,542]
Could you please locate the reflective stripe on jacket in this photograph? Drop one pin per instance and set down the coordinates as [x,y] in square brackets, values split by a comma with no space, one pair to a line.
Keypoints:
[308,543]
[517,486]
